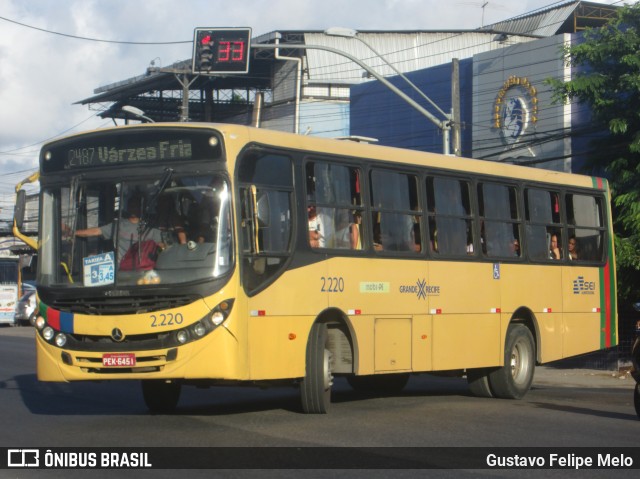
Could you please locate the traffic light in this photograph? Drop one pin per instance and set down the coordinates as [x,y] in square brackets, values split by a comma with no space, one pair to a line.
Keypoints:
[221,50]
[205,54]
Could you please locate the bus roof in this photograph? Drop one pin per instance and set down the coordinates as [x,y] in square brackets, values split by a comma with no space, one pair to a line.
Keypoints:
[367,151]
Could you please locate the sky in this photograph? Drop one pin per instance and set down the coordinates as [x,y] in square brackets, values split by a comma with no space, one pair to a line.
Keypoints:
[42,74]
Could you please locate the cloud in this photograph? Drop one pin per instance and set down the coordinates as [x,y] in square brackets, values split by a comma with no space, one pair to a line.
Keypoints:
[42,74]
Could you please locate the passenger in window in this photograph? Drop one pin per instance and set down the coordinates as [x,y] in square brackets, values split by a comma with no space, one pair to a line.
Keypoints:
[554,248]
[347,234]
[416,239]
[170,223]
[316,228]
[433,233]
[129,228]
[573,248]
[483,242]
[356,241]
[515,247]
[377,233]
[208,218]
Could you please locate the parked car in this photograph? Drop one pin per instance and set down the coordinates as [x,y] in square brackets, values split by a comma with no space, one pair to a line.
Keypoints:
[26,308]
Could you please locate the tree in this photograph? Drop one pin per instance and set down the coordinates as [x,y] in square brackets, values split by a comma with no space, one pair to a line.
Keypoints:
[606,77]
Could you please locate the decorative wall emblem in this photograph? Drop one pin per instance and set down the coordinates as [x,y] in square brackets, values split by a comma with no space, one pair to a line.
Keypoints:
[515,109]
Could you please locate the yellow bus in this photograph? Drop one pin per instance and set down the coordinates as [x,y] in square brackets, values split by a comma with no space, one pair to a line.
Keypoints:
[213,254]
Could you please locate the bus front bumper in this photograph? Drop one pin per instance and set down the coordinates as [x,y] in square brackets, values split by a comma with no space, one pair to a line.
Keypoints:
[188,361]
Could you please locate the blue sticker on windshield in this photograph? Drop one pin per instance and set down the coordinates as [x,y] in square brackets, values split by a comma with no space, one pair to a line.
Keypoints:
[99,270]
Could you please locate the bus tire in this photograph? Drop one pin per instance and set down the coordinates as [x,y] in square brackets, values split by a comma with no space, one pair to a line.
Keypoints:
[379,383]
[513,380]
[636,399]
[315,389]
[160,396]
[478,380]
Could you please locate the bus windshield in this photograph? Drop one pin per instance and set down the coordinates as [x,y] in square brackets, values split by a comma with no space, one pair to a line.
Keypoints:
[168,230]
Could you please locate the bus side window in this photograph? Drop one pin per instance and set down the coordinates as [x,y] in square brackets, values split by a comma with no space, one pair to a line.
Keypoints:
[450,220]
[266,193]
[587,232]
[542,221]
[334,205]
[500,220]
[396,212]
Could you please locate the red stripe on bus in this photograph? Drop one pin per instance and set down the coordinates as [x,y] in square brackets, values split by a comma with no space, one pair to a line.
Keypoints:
[599,183]
[53,318]
[607,305]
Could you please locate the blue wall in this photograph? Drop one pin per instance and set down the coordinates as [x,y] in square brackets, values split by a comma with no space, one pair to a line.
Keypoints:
[585,132]
[378,112]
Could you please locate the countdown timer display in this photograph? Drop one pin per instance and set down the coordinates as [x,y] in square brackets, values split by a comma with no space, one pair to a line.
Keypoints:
[221,50]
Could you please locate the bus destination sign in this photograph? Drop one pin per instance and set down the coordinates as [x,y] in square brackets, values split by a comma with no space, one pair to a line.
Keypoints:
[131,147]
[102,155]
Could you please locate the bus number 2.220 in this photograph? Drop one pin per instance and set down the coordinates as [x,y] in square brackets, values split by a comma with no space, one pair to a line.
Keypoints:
[168,319]
[332,284]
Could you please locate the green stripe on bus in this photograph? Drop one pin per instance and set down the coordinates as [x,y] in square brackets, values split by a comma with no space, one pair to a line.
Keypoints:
[608,301]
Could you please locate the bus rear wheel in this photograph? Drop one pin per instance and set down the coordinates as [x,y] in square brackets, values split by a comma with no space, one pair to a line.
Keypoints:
[513,380]
[315,389]
[636,399]
[160,396]
[379,383]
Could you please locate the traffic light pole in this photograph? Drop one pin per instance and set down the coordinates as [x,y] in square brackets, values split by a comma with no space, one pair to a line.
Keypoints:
[444,125]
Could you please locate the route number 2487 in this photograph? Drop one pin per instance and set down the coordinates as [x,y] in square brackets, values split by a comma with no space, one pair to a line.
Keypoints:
[332,284]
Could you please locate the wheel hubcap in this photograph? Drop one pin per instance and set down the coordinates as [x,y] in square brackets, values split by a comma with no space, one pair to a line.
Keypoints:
[519,362]
[328,377]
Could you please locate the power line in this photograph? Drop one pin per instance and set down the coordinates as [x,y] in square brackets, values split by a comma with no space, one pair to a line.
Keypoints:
[77,37]
[10,152]
[189,41]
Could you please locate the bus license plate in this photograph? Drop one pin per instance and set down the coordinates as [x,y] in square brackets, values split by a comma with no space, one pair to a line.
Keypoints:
[119,360]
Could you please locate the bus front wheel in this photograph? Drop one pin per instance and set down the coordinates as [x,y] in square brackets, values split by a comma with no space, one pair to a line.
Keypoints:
[160,396]
[315,389]
[513,380]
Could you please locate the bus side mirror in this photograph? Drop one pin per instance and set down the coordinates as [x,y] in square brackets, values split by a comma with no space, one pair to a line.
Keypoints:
[19,210]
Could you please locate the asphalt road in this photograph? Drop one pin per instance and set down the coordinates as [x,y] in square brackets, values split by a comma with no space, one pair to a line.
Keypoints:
[565,408]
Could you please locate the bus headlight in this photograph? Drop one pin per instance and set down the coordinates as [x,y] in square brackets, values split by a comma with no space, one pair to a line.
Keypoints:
[47,333]
[61,340]
[221,312]
[199,329]
[40,322]
[182,336]
[206,325]
[217,318]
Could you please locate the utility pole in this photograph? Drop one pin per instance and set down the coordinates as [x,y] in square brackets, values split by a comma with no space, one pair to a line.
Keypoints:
[456,139]
[183,76]
[183,79]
